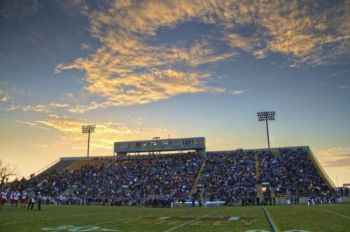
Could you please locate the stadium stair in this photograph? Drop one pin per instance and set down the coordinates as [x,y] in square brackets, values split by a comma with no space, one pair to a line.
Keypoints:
[257,173]
[276,153]
[257,165]
[259,192]
[107,162]
[197,178]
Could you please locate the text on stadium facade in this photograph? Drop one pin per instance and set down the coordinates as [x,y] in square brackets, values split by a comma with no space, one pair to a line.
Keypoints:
[159,145]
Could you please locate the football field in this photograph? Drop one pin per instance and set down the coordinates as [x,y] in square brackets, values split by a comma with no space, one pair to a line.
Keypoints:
[253,218]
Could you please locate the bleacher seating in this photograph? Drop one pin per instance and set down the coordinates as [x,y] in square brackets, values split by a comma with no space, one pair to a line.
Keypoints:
[229,174]
[164,178]
[291,172]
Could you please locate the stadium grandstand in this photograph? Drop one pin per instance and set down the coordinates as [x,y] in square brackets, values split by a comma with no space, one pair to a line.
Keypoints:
[168,172]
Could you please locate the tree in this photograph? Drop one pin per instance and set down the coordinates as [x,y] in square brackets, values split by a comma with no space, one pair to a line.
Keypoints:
[6,171]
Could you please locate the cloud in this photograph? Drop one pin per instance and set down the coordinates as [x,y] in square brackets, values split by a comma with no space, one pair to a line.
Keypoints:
[131,67]
[41,145]
[33,124]
[41,108]
[9,92]
[74,7]
[85,46]
[335,157]
[70,131]
[238,92]
[6,92]
[4,97]
[338,73]
[105,134]
[126,70]
[345,87]
[306,33]
[344,162]
[30,124]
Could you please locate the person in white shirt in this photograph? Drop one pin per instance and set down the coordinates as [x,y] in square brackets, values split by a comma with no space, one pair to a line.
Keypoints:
[12,200]
[16,197]
[24,198]
[3,199]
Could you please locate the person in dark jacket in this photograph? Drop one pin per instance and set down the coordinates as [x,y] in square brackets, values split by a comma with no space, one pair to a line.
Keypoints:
[39,197]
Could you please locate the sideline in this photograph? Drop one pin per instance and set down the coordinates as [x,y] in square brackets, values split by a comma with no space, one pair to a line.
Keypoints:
[332,212]
[196,219]
[269,218]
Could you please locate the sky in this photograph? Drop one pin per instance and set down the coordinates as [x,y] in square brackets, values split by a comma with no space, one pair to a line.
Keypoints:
[144,69]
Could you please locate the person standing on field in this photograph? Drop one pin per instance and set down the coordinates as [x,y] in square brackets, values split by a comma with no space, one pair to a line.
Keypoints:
[3,199]
[16,197]
[31,200]
[39,197]
[24,198]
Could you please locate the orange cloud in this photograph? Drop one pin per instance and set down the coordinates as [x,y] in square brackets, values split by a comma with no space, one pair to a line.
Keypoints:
[335,157]
[105,134]
[5,92]
[41,108]
[127,69]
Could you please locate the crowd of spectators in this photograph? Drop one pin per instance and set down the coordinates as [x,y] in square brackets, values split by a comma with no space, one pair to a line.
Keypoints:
[229,174]
[290,172]
[159,180]
[153,180]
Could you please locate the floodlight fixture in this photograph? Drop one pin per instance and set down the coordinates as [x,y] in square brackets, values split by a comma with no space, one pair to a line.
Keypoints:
[88,129]
[267,116]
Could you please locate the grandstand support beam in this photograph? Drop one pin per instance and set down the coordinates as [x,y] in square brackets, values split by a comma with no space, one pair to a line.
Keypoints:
[267,116]
[88,129]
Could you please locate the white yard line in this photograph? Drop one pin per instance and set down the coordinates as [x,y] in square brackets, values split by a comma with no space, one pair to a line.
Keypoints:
[9,223]
[332,212]
[183,224]
[269,218]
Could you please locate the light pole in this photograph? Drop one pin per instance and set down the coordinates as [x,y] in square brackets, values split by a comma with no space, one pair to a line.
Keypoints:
[88,129]
[267,116]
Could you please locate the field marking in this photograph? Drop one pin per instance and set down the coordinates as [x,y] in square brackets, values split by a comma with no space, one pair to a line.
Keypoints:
[46,219]
[9,223]
[93,226]
[163,218]
[64,216]
[121,220]
[183,224]
[234,218]
[269,218]
[332,212]
[72,228]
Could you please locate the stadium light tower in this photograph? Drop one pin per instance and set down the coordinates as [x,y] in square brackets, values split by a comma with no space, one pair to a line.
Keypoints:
[267,116]
[88,129]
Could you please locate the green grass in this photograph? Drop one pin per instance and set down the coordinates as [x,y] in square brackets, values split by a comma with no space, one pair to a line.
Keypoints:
[94,218]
